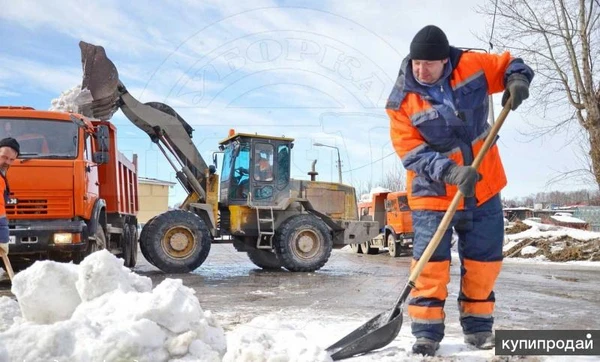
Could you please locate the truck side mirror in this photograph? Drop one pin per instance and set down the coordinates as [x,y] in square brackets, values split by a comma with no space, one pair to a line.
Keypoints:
[103,138]
[103,143]
[100,157]
[388,205]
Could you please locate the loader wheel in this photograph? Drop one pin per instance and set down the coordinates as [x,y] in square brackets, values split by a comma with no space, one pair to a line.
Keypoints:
[143,238]
[176,241]
[264,259]
[303,243]
[393,246]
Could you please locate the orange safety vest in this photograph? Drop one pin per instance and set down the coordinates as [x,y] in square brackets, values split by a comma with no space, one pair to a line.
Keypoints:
[429,136]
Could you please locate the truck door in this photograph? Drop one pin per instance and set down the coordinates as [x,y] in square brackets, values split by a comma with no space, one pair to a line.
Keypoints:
[91,175]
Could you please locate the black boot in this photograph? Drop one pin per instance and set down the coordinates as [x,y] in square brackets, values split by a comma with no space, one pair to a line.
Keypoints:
[481,340]
[425,346]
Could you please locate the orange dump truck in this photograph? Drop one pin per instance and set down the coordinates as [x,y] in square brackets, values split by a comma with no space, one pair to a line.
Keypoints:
[72,192]
[391,210]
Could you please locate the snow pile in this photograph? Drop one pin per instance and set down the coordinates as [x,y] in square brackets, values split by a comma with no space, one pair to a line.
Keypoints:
[551,242]
[101,311]
[267,338]
[538,230]
[71,99]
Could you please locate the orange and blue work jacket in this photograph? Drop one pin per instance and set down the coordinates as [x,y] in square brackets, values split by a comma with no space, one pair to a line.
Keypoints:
[433,126]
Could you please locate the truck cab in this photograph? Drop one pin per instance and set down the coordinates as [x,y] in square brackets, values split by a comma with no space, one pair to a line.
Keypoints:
[65,200]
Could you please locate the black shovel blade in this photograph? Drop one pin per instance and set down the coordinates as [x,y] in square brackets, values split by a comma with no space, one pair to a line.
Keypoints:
[376,333]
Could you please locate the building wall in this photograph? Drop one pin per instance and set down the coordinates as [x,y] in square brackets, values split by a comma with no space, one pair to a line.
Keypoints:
[154,199]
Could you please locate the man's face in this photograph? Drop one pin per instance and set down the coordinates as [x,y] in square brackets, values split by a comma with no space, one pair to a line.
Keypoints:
[428,71]
[7,157]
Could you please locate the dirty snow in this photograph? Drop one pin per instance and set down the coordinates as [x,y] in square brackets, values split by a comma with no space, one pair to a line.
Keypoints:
[538,230]
[71,99]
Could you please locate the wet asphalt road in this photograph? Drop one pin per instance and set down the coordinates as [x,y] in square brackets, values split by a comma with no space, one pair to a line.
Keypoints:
[531,296]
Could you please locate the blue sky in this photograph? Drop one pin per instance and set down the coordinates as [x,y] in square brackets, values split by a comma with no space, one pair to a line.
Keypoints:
[317,72]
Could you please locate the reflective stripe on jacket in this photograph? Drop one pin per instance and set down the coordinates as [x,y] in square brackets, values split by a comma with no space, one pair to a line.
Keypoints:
[429,136]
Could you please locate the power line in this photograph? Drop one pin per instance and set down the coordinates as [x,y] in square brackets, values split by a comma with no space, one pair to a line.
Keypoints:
[370,163]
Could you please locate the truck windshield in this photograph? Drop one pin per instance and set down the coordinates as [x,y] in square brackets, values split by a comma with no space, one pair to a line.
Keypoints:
[42,138]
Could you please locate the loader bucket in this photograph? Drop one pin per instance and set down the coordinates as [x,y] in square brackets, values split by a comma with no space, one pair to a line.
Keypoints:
[101,79]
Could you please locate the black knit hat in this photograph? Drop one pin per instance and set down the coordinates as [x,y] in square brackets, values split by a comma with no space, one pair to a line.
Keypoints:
[430,43]
[12,143]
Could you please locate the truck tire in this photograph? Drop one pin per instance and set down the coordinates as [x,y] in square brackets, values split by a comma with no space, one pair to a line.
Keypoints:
[129,245]
[367,249]
[92,245]
[176,241]
[356,248]
[264,259]
[134,245]
[394,247]
[303,243]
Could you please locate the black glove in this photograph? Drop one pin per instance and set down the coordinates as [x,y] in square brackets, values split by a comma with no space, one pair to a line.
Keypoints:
[517,86]
[464,176]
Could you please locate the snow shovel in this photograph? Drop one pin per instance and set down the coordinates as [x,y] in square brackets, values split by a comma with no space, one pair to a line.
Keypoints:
[7,265]
[383,328]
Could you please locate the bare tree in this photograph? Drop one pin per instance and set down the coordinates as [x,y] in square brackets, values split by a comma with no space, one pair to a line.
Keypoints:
[395,178]
[561,40]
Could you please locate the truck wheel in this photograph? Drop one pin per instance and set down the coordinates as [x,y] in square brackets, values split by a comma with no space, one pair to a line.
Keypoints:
[129,245]
[134,245]
[367,249]
[92,245]
[393,246]
[264,259]
[176,241]
[356,248]
[303,243]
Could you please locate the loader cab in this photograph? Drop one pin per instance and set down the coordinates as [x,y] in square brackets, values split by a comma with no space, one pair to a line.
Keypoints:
[255,168]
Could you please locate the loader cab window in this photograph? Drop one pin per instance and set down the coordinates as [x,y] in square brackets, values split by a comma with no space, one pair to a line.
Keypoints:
[283,166]
[240,173]
[263,162]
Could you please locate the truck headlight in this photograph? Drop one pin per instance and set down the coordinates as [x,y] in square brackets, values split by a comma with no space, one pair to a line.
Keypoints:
[63,238]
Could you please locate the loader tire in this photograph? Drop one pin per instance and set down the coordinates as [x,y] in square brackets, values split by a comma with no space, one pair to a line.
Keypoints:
[143,237]
[303,243]
[176,241]
[264,259]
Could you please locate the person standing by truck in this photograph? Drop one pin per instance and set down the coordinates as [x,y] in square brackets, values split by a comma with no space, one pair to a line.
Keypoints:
[438,111]
[9,151]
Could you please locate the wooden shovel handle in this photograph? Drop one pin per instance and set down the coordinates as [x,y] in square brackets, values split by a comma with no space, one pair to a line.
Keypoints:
[437,237]
[9,269]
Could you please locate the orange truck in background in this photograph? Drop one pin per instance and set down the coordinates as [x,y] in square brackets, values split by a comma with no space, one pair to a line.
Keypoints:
[391,210]
[72,192]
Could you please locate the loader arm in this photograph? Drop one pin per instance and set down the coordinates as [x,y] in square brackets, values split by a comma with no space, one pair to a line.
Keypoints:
[166,128]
